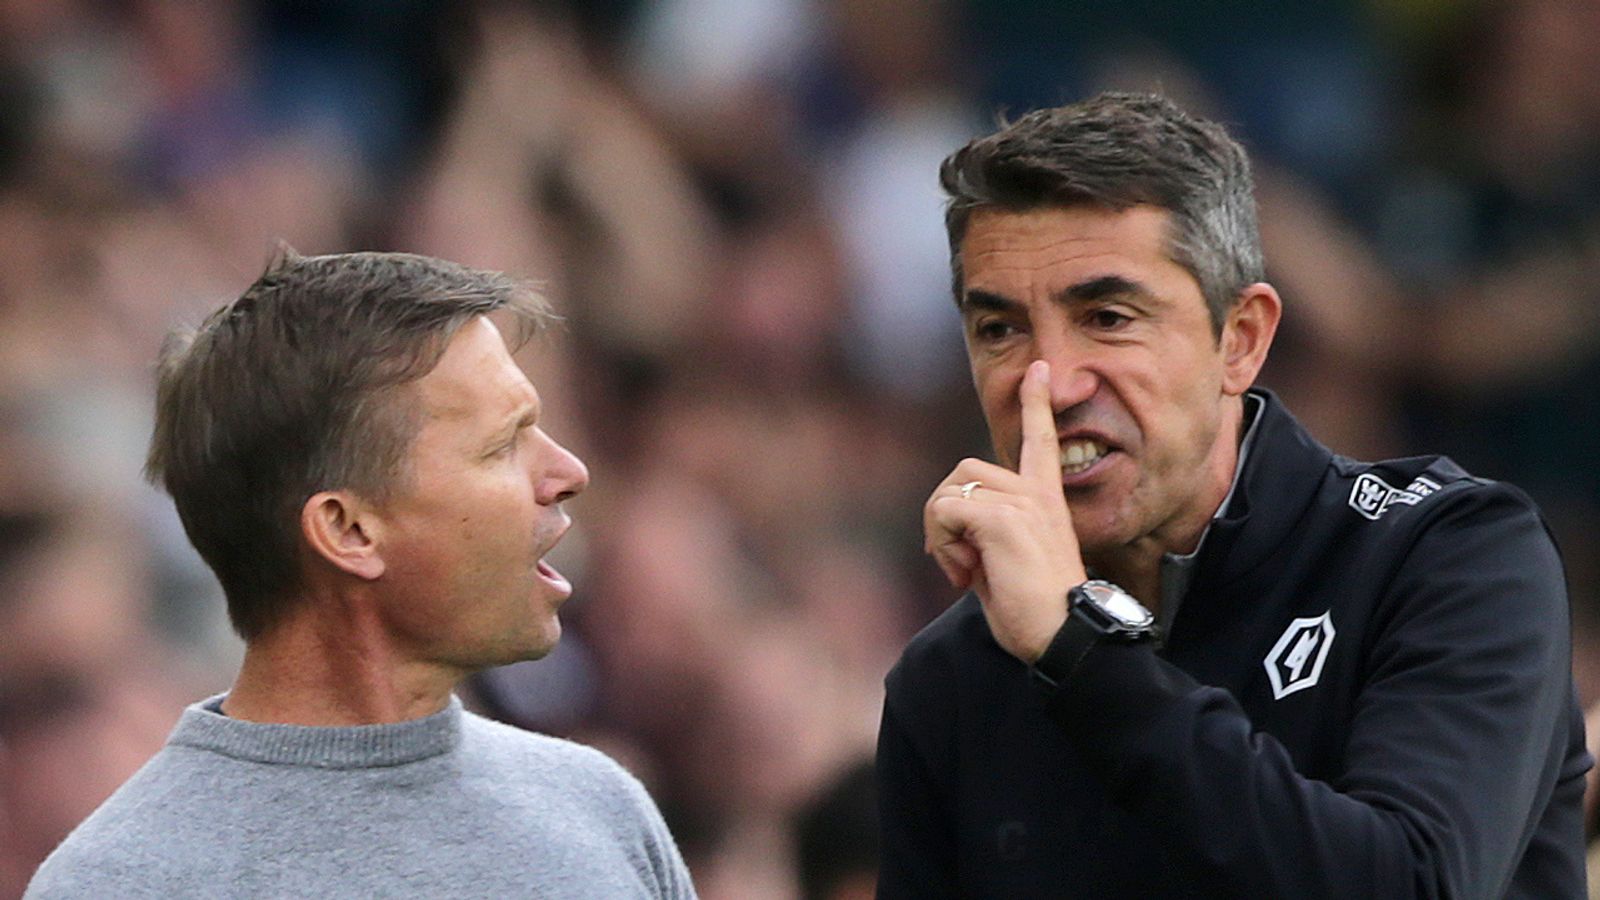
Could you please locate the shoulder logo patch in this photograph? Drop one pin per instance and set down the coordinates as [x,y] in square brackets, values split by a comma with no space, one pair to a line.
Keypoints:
[1295,662]
[1372,496]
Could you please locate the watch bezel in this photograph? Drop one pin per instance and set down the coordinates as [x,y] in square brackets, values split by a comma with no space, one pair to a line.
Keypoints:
[1089,602]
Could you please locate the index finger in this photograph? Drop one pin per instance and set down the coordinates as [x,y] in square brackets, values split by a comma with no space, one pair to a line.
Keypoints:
[1040,458]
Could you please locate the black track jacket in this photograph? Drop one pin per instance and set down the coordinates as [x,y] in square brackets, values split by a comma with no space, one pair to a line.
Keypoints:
[1365,692]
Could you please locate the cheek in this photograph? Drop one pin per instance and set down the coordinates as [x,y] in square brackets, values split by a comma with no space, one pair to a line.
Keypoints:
[434,559]
[1004,418]
[1187,381]
[997,391]
[493,506]
[1187,422]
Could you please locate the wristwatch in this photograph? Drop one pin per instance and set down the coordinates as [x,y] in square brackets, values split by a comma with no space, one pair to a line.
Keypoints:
[1098,612]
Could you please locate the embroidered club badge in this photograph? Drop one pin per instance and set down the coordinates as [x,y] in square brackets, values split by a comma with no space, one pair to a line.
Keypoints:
[1295,662]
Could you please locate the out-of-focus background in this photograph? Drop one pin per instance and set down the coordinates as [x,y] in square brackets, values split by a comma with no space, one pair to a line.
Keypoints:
[734,204]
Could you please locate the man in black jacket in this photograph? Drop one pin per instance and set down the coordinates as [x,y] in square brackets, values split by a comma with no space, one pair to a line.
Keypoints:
[1202,655]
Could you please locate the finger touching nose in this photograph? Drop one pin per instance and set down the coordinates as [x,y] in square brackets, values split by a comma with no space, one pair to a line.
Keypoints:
[1040,458]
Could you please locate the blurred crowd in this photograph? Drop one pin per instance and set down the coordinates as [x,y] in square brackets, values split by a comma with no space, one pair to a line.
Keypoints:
[734,205]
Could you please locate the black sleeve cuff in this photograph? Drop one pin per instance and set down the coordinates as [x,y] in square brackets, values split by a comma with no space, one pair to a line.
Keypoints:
[1066,652]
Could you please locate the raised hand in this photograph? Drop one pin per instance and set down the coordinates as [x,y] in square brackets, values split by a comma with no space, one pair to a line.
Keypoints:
[1010,537]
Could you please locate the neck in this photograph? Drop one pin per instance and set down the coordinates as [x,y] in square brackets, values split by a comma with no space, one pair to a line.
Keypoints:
[329,663]
[1136,566]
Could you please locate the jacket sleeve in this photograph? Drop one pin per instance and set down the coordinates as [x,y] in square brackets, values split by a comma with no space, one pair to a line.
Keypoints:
[919,850]
[1456,743]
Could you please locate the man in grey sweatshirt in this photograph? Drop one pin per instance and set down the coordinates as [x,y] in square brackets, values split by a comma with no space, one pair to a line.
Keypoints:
[354,452]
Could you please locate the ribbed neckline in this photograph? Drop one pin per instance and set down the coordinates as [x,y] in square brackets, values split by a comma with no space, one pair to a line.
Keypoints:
[204,727]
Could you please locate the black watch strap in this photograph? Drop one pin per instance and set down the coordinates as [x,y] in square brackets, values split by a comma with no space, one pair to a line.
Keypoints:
[1066,652]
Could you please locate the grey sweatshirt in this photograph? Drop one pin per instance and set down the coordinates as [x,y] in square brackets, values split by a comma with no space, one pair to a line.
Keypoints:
[451,805]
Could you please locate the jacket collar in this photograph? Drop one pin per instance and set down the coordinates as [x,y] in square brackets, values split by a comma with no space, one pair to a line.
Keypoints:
[1280,479]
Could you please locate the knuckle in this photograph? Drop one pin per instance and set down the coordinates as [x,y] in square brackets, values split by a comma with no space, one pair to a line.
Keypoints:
[936,511]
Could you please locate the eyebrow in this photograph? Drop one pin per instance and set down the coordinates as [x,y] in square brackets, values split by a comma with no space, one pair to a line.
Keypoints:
[984,300]
[528,415]
[1103,287]
[1098,288]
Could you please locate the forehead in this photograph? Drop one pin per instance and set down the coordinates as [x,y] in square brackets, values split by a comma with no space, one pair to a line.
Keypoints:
[475,378]
[1054,244]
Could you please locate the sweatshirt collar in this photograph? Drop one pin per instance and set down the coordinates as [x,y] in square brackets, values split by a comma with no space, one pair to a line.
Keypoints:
[204,727]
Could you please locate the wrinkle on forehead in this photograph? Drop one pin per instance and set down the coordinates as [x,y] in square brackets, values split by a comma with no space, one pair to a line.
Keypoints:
[1053,228]
[475,376]
[1093,242]
[1013,241]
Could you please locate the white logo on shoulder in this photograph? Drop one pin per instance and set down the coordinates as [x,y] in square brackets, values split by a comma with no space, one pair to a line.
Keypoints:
[1372,496]
[1295,662]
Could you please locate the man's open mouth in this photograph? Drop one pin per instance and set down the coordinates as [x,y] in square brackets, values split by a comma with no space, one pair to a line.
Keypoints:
[1079,454]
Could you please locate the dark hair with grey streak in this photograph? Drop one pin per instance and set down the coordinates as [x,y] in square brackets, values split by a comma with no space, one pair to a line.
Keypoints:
[1117,151]
[294,388]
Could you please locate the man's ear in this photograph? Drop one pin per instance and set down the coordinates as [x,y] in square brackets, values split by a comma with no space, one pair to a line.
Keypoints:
[340,528]
[1247,335]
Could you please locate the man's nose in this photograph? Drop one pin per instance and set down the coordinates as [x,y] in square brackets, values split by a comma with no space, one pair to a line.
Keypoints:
[1072,379]
[562,476]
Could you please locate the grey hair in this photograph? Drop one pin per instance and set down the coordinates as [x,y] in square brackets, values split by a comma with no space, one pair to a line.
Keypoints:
[1120,150]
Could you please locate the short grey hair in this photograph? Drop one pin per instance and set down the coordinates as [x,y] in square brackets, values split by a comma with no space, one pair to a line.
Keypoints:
[1120,150]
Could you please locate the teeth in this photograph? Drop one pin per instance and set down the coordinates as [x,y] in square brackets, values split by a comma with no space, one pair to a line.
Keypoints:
[1078,455]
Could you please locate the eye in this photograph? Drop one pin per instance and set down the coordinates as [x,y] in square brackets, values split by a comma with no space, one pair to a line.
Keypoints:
[989,331]
[510,444]
[1108,319]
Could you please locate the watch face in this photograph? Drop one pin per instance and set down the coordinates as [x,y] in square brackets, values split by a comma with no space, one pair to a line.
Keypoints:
[1119,604]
